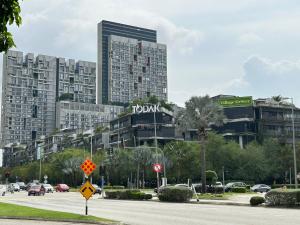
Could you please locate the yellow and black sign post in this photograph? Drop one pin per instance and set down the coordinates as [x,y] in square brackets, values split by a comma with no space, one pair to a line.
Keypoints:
[87,190]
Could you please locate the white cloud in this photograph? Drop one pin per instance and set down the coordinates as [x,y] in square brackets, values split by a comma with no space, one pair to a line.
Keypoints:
[267,78]
[249,39]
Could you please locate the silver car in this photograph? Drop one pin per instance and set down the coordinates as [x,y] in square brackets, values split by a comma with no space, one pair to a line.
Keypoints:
[260,188]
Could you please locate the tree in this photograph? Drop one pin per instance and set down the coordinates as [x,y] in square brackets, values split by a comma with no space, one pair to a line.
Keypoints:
[211,177]
[200,113]
[10,13]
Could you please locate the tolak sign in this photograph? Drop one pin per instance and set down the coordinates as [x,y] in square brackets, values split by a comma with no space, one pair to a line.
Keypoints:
[137,109]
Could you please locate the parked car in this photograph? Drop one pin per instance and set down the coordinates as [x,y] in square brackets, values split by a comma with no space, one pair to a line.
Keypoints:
[260,188]
[13,187]
[229,186]
[155,189]
[36,189]
[2,189]
[62,188]
[22,185]
[183,185]
[48,188]
[98,189]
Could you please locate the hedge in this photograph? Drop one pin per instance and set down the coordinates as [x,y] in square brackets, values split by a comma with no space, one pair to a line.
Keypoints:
[113,187]
[175,194]
[289,186]
[283,197]
[239,190]
[127,194]
[257,200]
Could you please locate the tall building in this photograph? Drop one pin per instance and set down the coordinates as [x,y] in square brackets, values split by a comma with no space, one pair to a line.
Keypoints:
[28,97]
[76,81]
[131,64]
[30,88]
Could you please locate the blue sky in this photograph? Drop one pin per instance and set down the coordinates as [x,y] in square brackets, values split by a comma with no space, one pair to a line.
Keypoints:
[241,47]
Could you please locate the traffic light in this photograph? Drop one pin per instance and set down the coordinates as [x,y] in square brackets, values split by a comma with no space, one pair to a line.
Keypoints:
[7,174]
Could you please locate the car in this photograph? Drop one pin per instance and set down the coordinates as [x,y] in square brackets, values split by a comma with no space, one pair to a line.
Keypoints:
[162,186]
[98,189]
[62,188]
[182,185]
[3,189]
[36,189]
[229,186]
[22,185]
[13,187]
[48,188]
[260,188]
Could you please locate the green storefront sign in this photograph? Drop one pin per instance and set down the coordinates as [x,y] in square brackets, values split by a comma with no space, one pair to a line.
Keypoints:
[236,101]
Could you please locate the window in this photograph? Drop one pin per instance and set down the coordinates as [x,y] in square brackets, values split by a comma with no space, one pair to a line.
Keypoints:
[140,79]
[35,93]
[135,57]
[144,69]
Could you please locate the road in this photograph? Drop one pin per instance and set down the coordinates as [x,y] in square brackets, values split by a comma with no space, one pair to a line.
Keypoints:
[157,213]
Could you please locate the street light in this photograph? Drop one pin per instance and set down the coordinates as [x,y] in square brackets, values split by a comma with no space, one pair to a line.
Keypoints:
[294,145]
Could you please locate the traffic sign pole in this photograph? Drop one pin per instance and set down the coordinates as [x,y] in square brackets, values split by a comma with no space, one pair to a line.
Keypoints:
[87,189]
[86,207]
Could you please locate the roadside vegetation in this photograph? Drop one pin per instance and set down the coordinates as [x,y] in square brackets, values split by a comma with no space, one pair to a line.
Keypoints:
[269,163]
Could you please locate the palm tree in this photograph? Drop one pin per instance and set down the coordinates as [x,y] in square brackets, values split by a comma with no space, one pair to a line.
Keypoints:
[200,113]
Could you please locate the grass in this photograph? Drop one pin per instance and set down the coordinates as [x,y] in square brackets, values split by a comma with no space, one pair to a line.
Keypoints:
[12,210]
[209,196]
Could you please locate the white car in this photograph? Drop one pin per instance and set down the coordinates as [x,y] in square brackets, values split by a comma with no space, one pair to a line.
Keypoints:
[48,188]
[3,189]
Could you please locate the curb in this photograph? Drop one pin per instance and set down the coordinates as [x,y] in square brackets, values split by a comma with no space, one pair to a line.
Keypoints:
[60,220]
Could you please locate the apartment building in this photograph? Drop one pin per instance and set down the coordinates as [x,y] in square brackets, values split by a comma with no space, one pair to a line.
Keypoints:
[129,60]
[83,116]
[76,81]
[28,97]
[138,69]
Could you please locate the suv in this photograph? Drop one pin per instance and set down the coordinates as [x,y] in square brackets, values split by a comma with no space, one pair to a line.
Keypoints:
[230,186]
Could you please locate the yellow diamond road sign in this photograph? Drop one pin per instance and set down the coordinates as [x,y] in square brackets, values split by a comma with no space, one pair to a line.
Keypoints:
[87,190]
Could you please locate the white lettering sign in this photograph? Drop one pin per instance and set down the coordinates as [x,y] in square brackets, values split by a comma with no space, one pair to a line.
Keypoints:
[145,108]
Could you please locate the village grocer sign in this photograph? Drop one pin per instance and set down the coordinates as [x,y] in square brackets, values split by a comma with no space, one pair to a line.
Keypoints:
[236,101]
[137,109]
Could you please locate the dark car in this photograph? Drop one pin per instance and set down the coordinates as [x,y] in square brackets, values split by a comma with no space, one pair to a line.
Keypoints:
[98,189]
[230,186]
[62,188]
[36,190]
[260,188]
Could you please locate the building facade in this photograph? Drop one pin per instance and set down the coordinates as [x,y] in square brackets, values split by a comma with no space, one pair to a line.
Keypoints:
[83,116]
[135,129]
[248,120]
[28,97]
[76,81]
[138,69]
[122,61]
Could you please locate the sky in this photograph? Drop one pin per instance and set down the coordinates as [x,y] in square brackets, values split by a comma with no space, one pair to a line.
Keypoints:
[238,47]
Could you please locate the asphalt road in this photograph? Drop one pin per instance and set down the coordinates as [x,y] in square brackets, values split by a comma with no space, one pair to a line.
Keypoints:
[157,213]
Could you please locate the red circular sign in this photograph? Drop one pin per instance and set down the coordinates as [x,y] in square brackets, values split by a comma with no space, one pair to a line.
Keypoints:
[157,167]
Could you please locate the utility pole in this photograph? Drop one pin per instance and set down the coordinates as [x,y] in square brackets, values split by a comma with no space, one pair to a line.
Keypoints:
[294,146]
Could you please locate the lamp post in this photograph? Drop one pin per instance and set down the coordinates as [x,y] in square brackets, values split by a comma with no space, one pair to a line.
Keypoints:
[294,144]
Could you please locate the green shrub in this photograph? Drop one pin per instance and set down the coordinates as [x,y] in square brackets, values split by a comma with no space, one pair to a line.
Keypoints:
[113,187]
[257,200]
[283,197]
[175,194]
[127,195]
[239,190]
[289,186]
